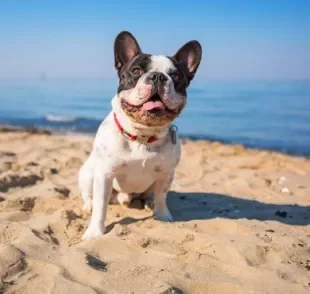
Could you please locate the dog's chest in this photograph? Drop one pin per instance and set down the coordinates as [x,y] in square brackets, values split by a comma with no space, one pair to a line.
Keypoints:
[140,167]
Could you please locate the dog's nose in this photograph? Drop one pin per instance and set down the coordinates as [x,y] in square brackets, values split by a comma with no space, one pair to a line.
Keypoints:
[157,77]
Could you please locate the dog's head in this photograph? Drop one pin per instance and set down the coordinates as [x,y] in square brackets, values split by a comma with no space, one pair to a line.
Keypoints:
[152,88]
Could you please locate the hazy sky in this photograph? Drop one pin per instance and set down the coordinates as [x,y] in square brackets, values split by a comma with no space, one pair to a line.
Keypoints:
[241,39]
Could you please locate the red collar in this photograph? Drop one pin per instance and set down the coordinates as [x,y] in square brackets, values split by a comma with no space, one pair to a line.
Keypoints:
[143,139]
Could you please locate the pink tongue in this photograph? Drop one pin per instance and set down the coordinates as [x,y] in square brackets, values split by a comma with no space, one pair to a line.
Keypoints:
[152,105]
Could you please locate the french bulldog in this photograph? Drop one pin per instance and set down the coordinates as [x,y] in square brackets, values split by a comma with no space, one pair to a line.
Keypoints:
[136,148]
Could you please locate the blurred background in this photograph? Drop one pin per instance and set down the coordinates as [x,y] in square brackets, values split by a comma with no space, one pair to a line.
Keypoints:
[252,87]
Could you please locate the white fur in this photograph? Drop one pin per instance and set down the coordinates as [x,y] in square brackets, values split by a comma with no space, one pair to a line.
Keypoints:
[161,63]
[127,167]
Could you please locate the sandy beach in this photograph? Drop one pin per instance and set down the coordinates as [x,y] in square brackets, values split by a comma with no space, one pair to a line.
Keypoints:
[242,223]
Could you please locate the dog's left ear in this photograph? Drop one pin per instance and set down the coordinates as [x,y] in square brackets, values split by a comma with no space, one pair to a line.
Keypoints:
[126,48]
[190,55]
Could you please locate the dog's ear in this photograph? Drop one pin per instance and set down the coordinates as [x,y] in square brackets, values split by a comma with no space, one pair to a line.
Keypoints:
[189,55]
[126,48]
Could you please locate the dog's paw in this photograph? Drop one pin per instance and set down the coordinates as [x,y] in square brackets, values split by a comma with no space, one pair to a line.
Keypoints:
[93,232]
[163,215]
[88,205]
[149,205]
[124,199]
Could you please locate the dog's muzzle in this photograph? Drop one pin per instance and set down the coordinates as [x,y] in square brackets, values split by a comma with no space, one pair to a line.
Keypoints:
[157,78]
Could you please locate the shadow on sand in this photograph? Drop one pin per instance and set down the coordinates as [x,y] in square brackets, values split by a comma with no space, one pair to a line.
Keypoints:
[199,206]
[194,206]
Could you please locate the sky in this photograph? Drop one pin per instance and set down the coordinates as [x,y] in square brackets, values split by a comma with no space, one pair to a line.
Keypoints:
[252,40]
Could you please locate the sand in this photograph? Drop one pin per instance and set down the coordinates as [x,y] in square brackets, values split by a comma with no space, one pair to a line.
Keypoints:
[242,223]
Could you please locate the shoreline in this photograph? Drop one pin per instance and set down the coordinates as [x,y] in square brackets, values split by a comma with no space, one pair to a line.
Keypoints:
[193,138]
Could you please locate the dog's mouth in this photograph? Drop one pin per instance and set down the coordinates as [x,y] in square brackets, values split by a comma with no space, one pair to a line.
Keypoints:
[152,112]
[154,104]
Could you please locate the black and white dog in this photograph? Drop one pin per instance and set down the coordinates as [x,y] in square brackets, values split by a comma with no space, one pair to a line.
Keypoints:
[136,149]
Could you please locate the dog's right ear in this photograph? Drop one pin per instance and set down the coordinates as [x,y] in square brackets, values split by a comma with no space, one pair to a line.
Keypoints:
[126,48]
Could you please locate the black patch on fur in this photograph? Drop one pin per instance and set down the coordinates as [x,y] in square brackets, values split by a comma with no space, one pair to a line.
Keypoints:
[181,85]
[127,80]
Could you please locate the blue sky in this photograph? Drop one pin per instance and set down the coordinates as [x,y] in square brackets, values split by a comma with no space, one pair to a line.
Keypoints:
[241,39]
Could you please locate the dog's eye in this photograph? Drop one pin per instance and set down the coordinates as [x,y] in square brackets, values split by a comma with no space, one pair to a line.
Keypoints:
[137,71]
[176,76]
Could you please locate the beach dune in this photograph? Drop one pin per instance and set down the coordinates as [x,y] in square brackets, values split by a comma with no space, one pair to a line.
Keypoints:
[242,223]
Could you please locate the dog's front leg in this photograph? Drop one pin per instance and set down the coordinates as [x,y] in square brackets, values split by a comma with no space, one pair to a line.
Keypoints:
[161,189]
[102,191]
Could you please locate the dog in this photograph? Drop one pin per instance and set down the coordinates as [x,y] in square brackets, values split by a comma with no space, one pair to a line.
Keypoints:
[136,148]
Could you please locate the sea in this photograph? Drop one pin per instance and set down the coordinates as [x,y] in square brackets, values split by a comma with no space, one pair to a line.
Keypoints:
[262,115]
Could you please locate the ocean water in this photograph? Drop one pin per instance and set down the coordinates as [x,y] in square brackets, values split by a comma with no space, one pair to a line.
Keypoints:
[263,115]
